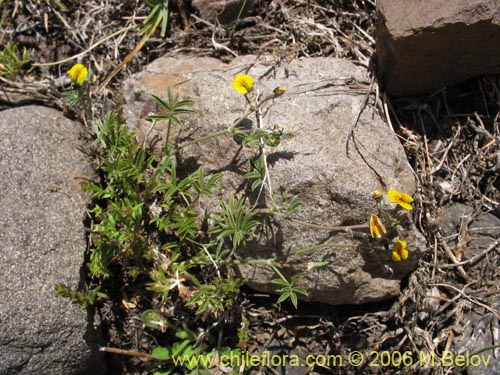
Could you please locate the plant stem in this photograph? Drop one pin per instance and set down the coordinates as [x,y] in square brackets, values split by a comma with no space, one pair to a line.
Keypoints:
[271,261]
[168,130]
[206,137]
[228,130]
[342,228]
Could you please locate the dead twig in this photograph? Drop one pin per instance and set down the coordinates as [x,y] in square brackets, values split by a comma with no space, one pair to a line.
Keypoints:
[469,298]
[474,259]
[123,30]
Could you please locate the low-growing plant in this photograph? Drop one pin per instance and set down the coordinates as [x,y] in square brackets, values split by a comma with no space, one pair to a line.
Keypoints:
[79,98]
[148,229]
[84,299]
[12,61]
[393,218]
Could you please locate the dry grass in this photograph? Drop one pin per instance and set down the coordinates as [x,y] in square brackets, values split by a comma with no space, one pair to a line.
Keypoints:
[451,137]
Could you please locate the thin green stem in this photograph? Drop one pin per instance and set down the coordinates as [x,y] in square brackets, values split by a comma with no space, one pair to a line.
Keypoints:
[258,116]
[238,17]
[342,228]
[272,261]
[271,264]
[228,130]
[206,137]
[168,130]
[308,249]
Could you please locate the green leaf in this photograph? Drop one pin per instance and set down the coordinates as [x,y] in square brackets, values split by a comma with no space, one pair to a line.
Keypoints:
[164,18]
[235,222]
[84,299]
[162,353]
[154,319]
[163,372]
[258,172]
[185,333]
[281,282]
[289,290]
[182,348]
[272,140]
[12,62]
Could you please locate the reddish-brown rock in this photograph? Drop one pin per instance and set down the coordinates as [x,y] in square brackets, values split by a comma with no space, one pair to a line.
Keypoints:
[223,11]
[423,46]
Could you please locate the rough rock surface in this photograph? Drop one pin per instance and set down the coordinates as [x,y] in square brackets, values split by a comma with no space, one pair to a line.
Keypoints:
[322,100]
[42,243]
[223,11]
[480,231]
[481,329]
[423,46]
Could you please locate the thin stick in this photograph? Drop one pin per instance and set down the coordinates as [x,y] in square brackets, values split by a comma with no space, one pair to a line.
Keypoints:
[88,49]
[350,134]
[147,134]
[131,353]
[473,300]
[456,262]
[474,259]
[258,116]
[445,154]
[127,58]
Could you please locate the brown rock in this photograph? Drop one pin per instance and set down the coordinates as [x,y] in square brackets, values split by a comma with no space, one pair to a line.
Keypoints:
[323,97]
[423,46]
[223,11]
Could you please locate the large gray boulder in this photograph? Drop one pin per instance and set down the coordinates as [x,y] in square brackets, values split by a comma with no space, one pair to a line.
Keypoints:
[42,242]
[322,101]
[423,46]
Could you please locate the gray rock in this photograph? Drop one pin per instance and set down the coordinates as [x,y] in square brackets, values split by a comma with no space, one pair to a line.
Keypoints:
[470,235]
[481,332]
[423,46]
[323,98]
[42,243]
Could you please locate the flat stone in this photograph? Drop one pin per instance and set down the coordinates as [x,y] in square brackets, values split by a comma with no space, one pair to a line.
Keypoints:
[423,46]
[322,101]
[43,242]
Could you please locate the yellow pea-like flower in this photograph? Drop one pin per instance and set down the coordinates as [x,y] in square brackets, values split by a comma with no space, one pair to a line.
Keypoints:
[243,83]
[377,229]
[403,199]
[399,251]
[78,73]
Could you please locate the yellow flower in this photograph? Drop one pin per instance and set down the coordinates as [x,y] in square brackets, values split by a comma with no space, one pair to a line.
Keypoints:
[78,73]
[403,199]
[243,83]
[377,229]
[377,194]
[399,251]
